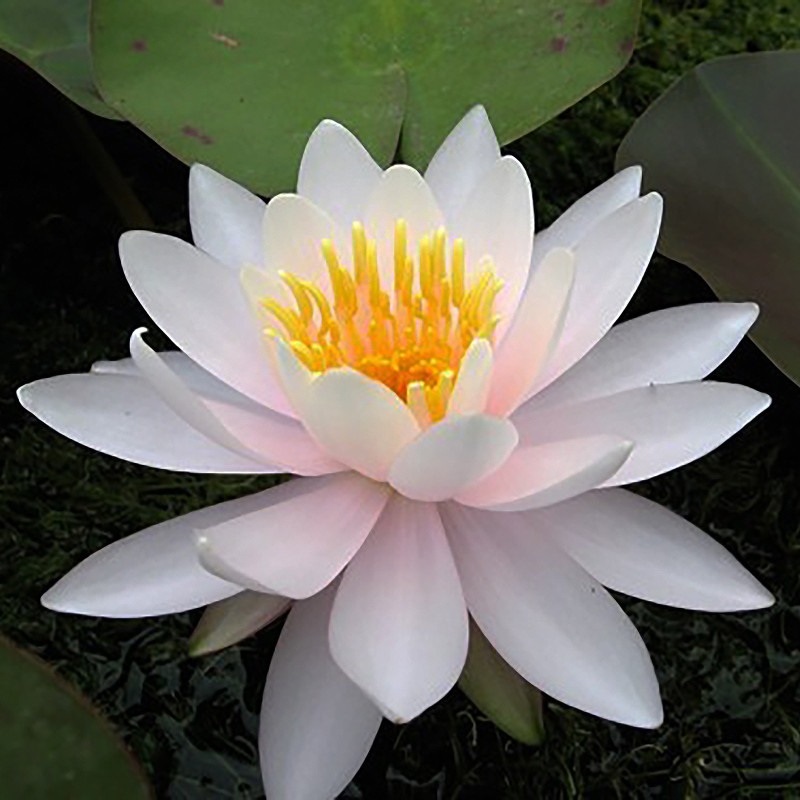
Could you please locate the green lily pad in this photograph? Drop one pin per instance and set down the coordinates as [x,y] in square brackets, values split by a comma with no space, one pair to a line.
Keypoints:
[52,743]
[500,692]
[723,147]
[240,85]
[52,37]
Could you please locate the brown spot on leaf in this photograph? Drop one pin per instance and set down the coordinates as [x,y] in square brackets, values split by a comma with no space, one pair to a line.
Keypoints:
[559,16]
[558,45]
[228,41]
[139,45]
[218,2]
[190,130]
[603,2]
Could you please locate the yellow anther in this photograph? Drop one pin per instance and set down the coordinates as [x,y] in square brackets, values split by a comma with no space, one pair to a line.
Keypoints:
[359,253]
[300,297]
[458,272]
[290,320]
[439,255]
[303,352]
[425,265]
[373,278]
[326,317]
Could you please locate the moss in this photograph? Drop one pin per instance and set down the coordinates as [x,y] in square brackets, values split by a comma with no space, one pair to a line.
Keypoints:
[730,682]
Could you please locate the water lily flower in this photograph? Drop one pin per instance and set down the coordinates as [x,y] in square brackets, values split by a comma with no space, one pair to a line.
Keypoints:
[462,416]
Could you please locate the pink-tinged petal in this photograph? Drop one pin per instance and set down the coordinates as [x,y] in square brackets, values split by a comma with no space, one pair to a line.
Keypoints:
[401,193]
[452,455]
[462,159]
[201,306]
[541,475]
[337,173]
[585,213]
[534,332]
[225,218]
[358,421]
[294,229]
[609,264]
[316,725]
[474,379]
[551,620]
[638,547]
[276,437]
[671,346]
[298,539]
[228,621]
[122,416]
[669,425]
[155,571]
[497,221]
[399,624]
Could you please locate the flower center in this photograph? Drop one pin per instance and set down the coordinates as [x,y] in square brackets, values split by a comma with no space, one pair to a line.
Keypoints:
[410,336]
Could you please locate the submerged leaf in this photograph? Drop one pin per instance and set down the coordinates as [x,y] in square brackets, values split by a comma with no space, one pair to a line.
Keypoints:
[723,147]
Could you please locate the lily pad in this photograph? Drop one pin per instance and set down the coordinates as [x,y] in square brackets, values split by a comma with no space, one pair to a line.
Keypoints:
[240,85]
[52,743]
[500,692]
[52,37]
[723,147]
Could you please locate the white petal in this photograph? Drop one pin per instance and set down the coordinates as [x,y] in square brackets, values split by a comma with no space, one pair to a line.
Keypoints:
[154,571]
[576,222]
[201,306]
[474,379]
[669,425]
[278,438]
[337,173]
[227,622]
[298,539]
[540,475]
[534,332]
[122,416]
[549,619]
[294,229]
[401,193]
[316,725]
[399,624]
[225,218]
[461,160]
[452,455]
[497,221]
[609,264]
[638,547]
[671,346]
[358,421]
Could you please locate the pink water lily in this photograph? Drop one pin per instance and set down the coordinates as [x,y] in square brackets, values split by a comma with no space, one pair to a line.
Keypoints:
[462,413]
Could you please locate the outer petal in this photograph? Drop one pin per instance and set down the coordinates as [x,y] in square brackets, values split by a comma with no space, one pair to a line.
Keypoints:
[202,307]
[316,725]
[401,193]
[122,416]
[638,547]
[584,214]
[227,622]
[670,425]
[399,624]
[225,218]
[152,572]
[534,331]
[609,264]
[358,421]
[229,418]
[298,539]
[337,173]
[672,346]
[474,380]
[544,474]
[550,620]
[452,455]
[462,158]
[497,221]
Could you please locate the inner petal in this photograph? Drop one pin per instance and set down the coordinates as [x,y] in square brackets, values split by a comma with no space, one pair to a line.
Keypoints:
[410,336]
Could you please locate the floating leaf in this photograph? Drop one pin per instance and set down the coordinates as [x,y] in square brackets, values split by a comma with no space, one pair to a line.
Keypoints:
[723,147]
[500,692]
[52,743]
[240,85]
[52,37]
